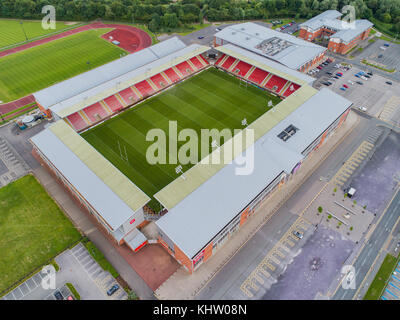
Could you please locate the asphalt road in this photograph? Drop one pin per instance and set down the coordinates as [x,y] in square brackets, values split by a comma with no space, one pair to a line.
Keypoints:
[371,249]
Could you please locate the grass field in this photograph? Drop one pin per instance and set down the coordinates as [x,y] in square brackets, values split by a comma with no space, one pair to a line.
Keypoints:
[378,284]
[33,229]
[12,32]
[36,68]
[212,99]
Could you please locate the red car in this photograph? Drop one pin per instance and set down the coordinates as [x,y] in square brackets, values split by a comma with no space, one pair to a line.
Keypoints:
[346,86]
[319,67]
[340,73]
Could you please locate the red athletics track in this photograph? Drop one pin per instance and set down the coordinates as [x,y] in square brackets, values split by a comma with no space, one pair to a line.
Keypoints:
[131,39]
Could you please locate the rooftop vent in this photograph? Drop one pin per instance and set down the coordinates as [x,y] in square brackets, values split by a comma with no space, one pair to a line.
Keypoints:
[288,132]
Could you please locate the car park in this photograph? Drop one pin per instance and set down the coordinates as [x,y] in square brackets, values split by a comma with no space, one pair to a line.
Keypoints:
[112,290]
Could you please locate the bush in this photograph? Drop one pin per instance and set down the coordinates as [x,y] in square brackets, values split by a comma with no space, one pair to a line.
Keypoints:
[73,291]
[320,209]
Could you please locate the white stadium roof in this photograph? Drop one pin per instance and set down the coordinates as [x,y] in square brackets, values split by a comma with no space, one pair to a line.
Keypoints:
[249,35]
[225,194]
[73,87]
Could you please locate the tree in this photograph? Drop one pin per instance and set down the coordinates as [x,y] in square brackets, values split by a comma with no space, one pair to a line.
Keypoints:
[170,20]
[155,23]
[320,209]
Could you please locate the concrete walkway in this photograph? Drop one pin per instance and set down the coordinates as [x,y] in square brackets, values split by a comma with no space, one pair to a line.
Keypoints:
[86,226]
[182,285]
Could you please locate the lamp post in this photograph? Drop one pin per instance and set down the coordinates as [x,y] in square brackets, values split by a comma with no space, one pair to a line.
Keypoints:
[22,26]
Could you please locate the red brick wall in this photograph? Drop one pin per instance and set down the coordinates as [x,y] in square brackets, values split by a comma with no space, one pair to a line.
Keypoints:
[183,259]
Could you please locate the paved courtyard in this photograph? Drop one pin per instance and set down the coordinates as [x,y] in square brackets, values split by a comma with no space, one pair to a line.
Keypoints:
[312,271]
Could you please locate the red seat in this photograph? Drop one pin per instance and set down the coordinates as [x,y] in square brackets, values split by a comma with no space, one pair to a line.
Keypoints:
[159,81]
[275,83]
[258,75]
[288,91]
[113,103]
[129,96]
[241,68]
[228,62]
[202,58]
[196,62]
[77,121]
[184,67]
[220,59]
[96,112]
[144,88]
[172,75]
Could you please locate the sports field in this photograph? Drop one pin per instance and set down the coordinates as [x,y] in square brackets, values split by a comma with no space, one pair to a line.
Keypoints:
[212,99]
[33,230]
[12,31]
[36,68]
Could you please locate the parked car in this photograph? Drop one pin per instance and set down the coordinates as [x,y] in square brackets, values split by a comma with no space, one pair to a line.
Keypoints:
[359,82]
[326,83]
[330,73]
[201,37]
[364,78]
[58,295]
[386,44]
[349,81]
[380,56]
[112,290]
[364,109]
[389,82]
[336,77]
[346,86]
[298,234]
[339,74]
[367,76]
[218,29]
[357,75]
[343,88]
[370,73]
[319,67]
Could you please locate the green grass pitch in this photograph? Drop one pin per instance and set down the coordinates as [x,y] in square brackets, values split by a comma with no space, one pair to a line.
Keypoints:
[211,99]
[12,32]
[33,229]
[39,67]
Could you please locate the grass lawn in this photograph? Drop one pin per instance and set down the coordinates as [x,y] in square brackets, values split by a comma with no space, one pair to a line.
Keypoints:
[211,99]
[36,68]
[33,229]
[12,32]
[378,284]
[193,28]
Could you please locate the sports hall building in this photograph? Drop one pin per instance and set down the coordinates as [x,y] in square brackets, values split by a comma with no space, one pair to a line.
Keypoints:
[341,38]
[202,211]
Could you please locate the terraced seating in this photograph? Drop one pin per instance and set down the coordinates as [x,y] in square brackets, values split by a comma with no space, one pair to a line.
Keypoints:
[144,88]
[184,68]
[228,62]
[196,62]
[288,91]
[159,81]
[275,83]
[241,68]
[113,103]
[220,59]
[77,121]
[96,112]
[258,75]
[172,75]
[129,96]
[203,59]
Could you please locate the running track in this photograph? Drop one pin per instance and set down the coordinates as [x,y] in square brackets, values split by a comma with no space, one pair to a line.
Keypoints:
[143,40]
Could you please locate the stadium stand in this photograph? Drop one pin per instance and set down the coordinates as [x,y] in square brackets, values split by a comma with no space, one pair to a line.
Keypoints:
[275,83]
[113,102]
[77,122]
[184,68]
[204,61]
[220,60]
[258,75]
[144,88]
[289,90]
[129,96]
[196,62]
[172,75]
[241,68]
[228,62]
[96,112]
[159,81]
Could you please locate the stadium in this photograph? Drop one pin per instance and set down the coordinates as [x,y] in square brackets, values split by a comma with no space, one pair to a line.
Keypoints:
[97,144]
